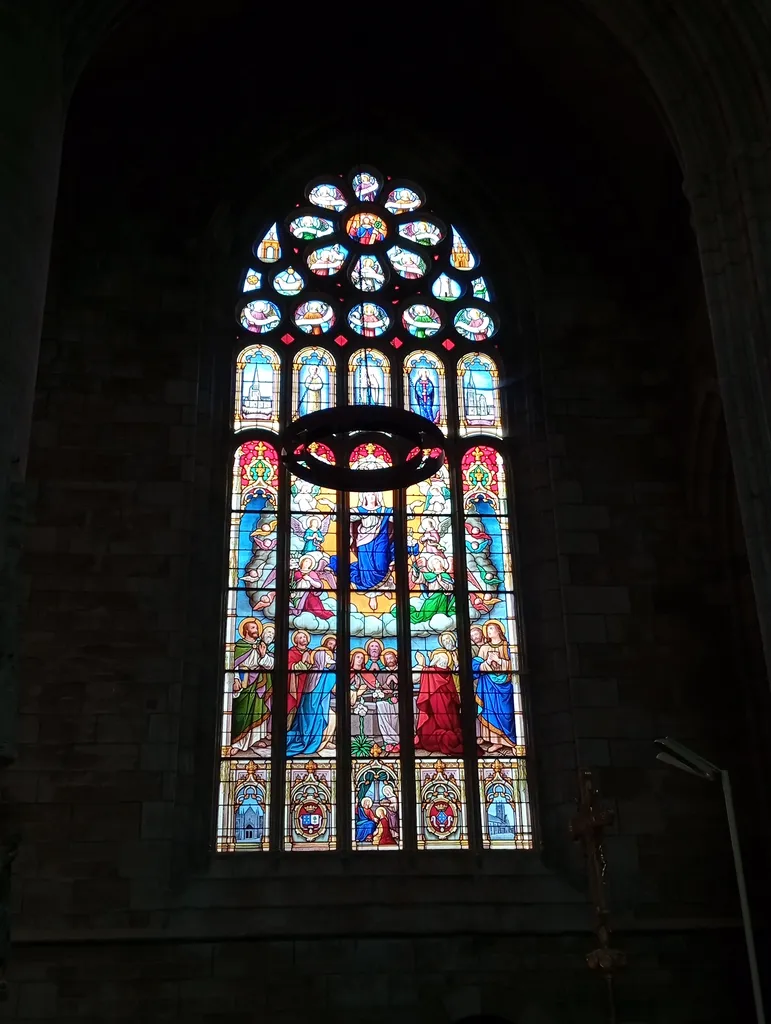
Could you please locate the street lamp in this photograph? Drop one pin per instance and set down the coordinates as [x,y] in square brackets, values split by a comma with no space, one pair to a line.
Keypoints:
[679,756]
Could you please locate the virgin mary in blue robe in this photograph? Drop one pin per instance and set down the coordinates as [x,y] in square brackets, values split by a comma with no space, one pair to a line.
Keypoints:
[312,717]
[495,700]
[375,556]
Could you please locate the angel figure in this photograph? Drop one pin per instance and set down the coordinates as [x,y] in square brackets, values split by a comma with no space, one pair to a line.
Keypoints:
[304,495]
[312,535]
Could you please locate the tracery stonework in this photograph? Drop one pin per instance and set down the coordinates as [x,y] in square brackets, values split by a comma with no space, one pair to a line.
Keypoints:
[371,654]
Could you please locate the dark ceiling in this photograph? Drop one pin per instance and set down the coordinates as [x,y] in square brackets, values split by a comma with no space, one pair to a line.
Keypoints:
[516,90]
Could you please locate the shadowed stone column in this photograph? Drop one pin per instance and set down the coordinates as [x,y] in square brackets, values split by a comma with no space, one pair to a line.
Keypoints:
[708,62]
[32,108]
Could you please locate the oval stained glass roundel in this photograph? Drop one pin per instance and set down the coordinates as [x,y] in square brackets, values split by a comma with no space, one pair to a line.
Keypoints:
[260,316]
[367,274]
[365,186]
[421,320]
[406,264]
[366,228]
[268,250]
[327,196]
[424,232]
[402,200]
[308,226]
[314,316]
[446,289]
[474,324]
[368,319]
[288,282]
[461,257]
[327,260]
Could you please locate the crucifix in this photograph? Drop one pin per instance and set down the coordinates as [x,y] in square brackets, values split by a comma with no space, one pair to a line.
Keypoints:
[588,827]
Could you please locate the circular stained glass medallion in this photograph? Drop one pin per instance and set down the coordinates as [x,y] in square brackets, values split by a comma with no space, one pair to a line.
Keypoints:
[314,316]
[406,264]
[421,320]
[367,273]
[327,196]
[474,324]
[366,228]
[365,186]
[260,316]
[424,232]
[288,282]
[446,289]
[327,260]
[402,200]
[368,319]
[309,226]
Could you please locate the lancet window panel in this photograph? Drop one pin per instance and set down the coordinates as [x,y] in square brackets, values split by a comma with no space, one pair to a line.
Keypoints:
[371,665]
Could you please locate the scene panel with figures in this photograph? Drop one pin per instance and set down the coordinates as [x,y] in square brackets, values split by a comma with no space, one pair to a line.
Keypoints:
[310,805]
[310,499]
[505,804]
[371,528]
[402,200]
[312,619]
[249,635]
[258,371]
[374,693]
[311,690]
[377,812]
[442,819]
[431,564]
[424,387]
[406,263]
[436,701]
[486,527]
[242,814]
[479,406]
[250,651]
[430,550]
[494,655]
[313,382]
[369,373]
[368,274]
[366,186]
[312,570]
[327,260]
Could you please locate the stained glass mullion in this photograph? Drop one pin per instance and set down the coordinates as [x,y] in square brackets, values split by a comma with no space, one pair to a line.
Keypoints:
[467,697]
[278,758]
[451,395]
[343,662]
[342,381]
[406,719]
[278,809]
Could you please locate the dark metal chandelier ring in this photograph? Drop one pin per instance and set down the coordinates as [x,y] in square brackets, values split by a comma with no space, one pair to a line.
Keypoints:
[342,429]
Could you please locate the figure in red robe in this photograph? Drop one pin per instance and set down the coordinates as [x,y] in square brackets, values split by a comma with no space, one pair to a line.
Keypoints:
[438,729]
[298,662]
[383,835]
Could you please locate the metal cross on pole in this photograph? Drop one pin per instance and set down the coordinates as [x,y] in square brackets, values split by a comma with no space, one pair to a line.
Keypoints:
[588,827]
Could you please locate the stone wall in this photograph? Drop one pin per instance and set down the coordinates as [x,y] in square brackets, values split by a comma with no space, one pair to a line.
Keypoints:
[524,978]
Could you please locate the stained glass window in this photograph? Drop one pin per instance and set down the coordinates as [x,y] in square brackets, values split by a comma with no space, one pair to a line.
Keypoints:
[372,695]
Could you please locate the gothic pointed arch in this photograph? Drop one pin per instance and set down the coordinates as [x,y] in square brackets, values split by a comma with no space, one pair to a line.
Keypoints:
[372,696]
